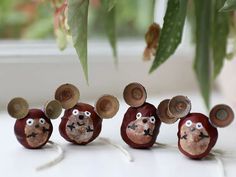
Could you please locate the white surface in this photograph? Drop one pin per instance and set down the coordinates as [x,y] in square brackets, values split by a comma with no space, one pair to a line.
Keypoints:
[103,160]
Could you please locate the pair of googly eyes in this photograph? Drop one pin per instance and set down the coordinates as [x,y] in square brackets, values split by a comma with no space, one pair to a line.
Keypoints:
[31,121]
[152,118]
[76,112]
[198,125]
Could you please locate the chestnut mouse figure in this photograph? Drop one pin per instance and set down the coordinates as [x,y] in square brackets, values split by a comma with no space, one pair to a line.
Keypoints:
[81,122]
[197,134]
[33,127]
[141,124]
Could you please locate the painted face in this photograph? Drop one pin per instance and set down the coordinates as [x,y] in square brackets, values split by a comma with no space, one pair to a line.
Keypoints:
[196,135]
[79,126]
[194,138]
[140,126]
[140,131]
[34,130]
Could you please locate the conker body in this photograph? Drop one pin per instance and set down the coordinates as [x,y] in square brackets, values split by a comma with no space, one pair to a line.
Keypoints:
[34,130]
[196,136]
[140,132]
[80,124]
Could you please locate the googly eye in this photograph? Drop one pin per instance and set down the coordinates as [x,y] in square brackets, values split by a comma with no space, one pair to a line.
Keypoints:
[30,122]
[42,121]
[87,113]
[152,119]
[188,123]
[199,125]
[138,115]
[75,112]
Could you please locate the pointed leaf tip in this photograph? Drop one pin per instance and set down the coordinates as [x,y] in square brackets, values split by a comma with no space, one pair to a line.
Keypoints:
[78,23]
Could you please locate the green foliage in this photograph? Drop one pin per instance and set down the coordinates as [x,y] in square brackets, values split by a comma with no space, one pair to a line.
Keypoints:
[23,19]
[39,29]
[171,33]
[209,19]
[229,5]
[202,58]
[78,23]
[61,39]
[220,30]
[109,11]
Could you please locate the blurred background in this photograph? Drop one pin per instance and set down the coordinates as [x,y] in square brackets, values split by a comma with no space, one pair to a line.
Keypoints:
[33,19]
[28,42]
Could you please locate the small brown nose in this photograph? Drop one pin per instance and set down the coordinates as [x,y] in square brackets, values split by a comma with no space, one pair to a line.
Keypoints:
[144,121]
[37,126]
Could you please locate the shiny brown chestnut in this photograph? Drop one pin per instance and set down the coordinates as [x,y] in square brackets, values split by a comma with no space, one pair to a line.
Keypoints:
[33,127]
[141,124]
[81,122]
[197,134]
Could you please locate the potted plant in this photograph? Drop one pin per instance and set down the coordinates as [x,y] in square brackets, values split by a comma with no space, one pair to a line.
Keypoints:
[212,22]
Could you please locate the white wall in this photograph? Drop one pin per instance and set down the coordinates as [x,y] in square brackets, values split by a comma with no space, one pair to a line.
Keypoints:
[34,69]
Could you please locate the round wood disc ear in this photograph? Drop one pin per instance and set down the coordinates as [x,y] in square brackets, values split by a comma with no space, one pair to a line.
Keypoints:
[135,94]
[68,95]
[53,109]
[221,115]
[179,106]
[162,112]
[18,108]
[107,106]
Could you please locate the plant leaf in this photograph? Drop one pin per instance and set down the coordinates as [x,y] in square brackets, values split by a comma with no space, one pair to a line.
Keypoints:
[220,33]
[171,32]
[202,58]
[61,39]
[78,23]
[229,5]
[110,24]
[111,4]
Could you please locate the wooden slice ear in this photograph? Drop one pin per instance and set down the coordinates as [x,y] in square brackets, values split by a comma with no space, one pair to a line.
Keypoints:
[163,113]
[18,108]
[68,95]
[179,106]
[107,106]
[221,115]
[135,94]
[53,109]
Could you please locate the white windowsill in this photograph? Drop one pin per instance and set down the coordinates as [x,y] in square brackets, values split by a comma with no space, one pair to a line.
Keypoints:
[33,69]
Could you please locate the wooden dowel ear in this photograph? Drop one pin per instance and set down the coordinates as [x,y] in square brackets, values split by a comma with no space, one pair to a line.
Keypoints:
[179,106]
[107,106]
[18,108]
[53,109]
[221,115]
[135,94]
[68,95]
[163,113]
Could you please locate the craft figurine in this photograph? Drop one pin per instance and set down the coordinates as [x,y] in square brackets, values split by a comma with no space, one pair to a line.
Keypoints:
[141,124]
[81,122]
[33,127]
[197,134]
